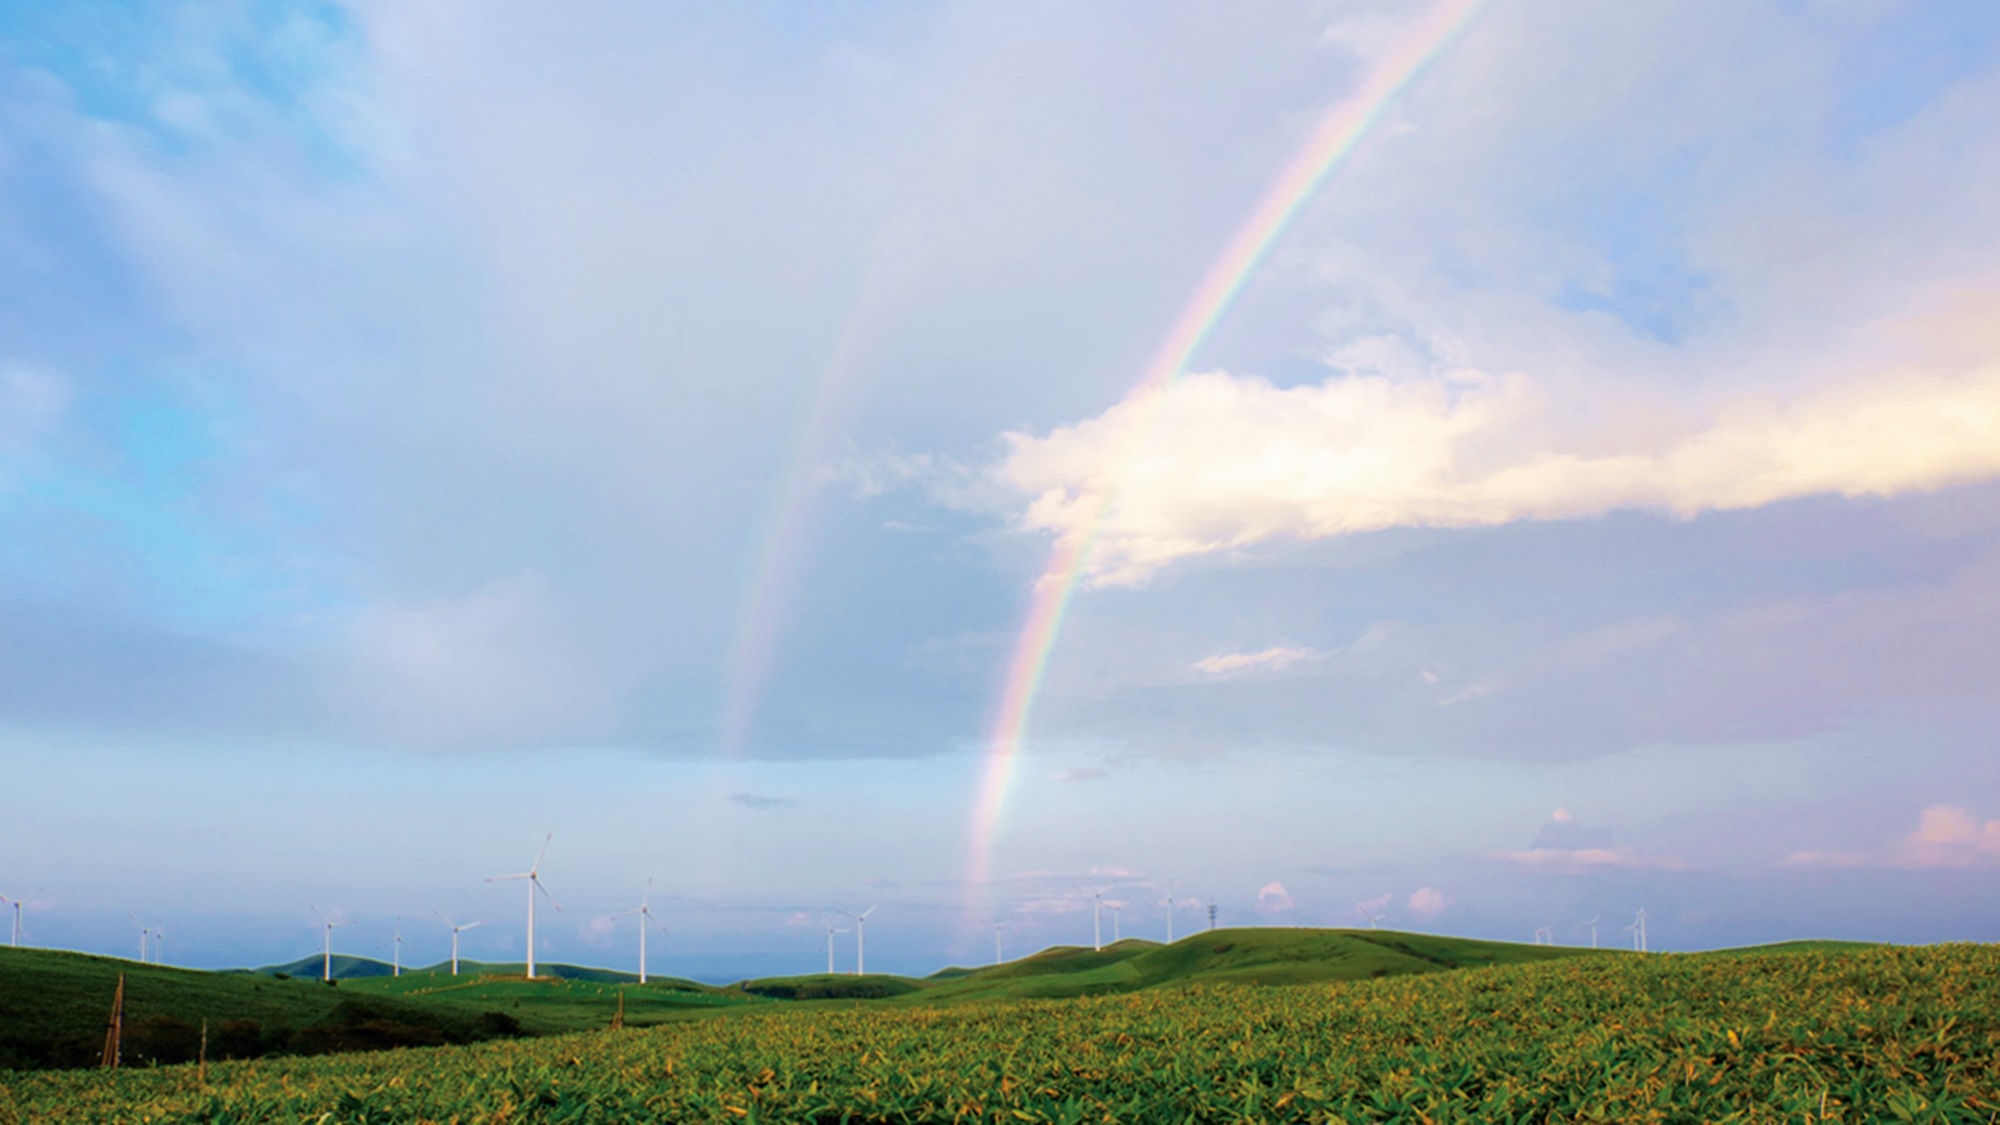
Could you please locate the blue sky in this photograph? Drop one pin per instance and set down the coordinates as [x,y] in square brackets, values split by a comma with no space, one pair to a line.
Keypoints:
[425,427]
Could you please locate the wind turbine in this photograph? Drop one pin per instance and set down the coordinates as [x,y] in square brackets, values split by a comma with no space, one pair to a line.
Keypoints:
[326,964]
[998,957]
[455,928]
[396,961]
[1638,928]
[145,935]
[1367,910]
[1168,902]
[830,931]
[17,904]
[645,914]
[159,936]
[534,877]
[860,940]
[1117,922]
[1096,920]
[1593,929]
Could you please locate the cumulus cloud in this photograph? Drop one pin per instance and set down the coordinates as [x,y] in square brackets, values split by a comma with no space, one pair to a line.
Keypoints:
[1428,902]
[1945,836]
[1276,659]
[1218,462]
[1273,898]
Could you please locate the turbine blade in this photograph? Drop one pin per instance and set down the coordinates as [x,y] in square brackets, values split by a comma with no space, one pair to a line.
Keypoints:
[867,912]
[468,926]
[546,894]
[545,850]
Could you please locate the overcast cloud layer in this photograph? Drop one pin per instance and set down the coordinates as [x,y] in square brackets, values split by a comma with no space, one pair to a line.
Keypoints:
[648,426]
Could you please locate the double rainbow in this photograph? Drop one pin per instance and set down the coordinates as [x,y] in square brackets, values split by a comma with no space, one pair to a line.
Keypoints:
[1337,135]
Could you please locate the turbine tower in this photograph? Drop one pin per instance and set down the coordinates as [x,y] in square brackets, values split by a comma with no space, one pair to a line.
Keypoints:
[1097,920]
[998,957]
[1117,922]
[534,877]
[326,962]
[1168,902]
[860,940]
[145,935]
[455,928]
[17,904]
[645,913]
[830,931]
[1638,928]
[1593,929]
[396,950]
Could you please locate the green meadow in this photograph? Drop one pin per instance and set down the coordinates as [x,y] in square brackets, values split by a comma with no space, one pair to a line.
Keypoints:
[1232,1025]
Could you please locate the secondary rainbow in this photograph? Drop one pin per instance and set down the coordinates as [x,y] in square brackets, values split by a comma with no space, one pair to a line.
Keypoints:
[1332,140]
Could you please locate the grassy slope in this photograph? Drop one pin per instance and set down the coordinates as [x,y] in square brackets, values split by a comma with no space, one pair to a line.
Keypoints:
[557,1004]
[54,1005]
[1886,1033]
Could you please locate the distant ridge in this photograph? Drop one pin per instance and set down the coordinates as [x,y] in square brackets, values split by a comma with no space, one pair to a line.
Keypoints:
[360,968]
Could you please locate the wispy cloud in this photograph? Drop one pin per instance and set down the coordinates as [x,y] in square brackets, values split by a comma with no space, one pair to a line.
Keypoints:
[1082,773]
[1275,659]
[1575,861]
[1945,836]
[763,803]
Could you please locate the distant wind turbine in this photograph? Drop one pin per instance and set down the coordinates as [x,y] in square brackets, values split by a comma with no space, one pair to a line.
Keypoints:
[1168,902]
[534,877]
[1367,910]
[455,928]
[326,963]
[998,957]
[645,913]
[145,935]
[1097,919]
[830,931]
[396,957]
[1593,929]
[1117,922]
[17,903]
[1638,928]
[860,940]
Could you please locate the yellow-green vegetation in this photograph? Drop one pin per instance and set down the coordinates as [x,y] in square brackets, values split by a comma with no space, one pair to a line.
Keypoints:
[1876,1034]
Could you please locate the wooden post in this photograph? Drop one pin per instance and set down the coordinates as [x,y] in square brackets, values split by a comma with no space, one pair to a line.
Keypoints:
[201,1065]
[115,1030]
[618,1018]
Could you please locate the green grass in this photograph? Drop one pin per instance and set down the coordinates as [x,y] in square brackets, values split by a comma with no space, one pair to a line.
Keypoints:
[1848,1036]
[54,1006]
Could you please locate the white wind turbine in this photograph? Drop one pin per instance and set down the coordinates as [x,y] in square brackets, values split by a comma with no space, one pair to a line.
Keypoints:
[455,928]
[1097,920]
[998,957]
[534,877]
[645,913]
[860,940]
[1168,902]
[159,938]
[1638,928]
[145,935]
[1117,922]
[830,931]
[17,903]
[396,952]
[1367,910]
[1593,929]
[326,964]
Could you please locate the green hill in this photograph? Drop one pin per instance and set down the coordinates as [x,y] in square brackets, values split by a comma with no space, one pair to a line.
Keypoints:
[343,966]
[54,1006]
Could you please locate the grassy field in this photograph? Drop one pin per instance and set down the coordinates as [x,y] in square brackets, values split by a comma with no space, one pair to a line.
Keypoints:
[1800,1035]
[53,1007]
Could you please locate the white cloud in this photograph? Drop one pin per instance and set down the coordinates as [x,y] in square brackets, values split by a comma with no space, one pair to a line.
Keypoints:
[1945,836]
[1575,861]
[1273,898]
[1275,659]
[1562,816]
[1428,902]
[1218,462]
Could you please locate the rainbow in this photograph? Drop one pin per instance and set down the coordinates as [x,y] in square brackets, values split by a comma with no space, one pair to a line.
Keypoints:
[1336,136]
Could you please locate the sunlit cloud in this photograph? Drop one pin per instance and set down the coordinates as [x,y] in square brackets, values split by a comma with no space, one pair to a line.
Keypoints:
[1220,462]
[1428,902]
[1575,861]
[1946,836]
[1273,898]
